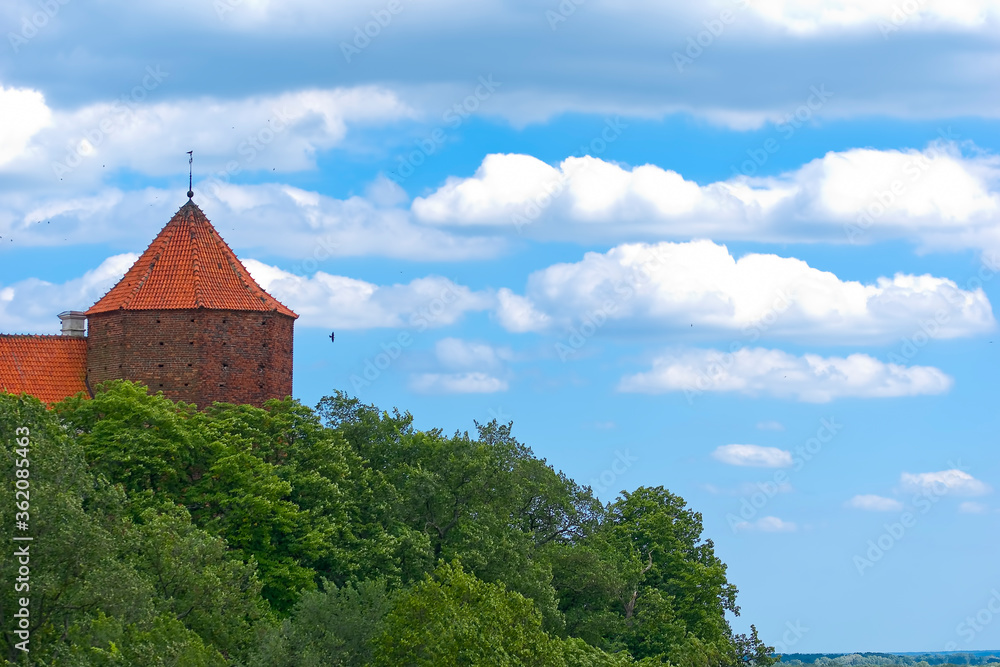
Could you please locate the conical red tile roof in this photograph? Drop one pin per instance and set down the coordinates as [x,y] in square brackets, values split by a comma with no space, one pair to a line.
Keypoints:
[187,266]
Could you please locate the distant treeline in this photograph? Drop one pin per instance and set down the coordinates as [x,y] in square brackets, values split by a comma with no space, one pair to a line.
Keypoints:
[918,660]
[285,536]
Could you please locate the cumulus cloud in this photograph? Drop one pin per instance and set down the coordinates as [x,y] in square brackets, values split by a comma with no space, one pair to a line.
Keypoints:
[456,383]
[699,286]
[760,372]
[282,132]
[952,482]
[807,17]
[753,455]
[456,353]
[475,368]
[325,300]
[935,196]
[81,149]
[31,305]
[314,227]
[321,300]
[873,503]
[23,113]
[767,524]
[938,197]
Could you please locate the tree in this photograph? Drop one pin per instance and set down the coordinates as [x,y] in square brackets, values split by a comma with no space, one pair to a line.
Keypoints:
[118,579]
[645,580]
[165,535]
[453,618]
[750,650]
[329,628]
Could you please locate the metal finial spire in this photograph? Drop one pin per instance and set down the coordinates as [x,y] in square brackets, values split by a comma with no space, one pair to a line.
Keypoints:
[190,173]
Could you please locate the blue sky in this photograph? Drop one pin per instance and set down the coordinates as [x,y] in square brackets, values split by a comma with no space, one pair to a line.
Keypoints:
[747,250]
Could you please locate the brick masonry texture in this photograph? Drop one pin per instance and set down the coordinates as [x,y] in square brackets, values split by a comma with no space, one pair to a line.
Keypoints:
[196,356]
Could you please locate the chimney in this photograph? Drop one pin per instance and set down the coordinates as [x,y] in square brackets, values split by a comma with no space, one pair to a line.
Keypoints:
[74,323]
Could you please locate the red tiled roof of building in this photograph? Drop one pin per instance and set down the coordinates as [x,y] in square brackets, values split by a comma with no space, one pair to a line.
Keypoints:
[49,367]
[188,265]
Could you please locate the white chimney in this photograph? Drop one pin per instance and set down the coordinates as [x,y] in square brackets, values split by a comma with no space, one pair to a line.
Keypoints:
[74,323]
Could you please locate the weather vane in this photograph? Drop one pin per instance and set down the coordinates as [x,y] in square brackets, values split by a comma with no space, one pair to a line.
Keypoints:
[190,172]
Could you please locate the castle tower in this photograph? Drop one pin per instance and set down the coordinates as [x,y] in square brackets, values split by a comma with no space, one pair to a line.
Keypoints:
[189,320]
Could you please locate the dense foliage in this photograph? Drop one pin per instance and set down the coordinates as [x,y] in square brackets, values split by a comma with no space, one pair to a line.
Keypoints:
[287,536]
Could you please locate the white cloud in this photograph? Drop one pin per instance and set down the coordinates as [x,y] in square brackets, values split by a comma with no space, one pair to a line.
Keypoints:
[472,368]
[517,313]
[340,302]
[761,372]
[952,482]
[457,383]
[753,455]
[23,113]
[31,305]
[807,17]
[314,227]
[948,42]
[873,503]
[972,507]
[698,286]
[798,16]
[81,148]
[322,300]
[767,524]
[281,132]
[458,354]
[937,197]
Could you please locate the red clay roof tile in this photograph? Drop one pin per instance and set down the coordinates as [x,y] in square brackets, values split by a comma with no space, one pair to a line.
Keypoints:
[49,367]
[188,265]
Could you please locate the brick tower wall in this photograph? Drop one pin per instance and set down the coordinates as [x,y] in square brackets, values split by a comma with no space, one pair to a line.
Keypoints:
[196,356]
